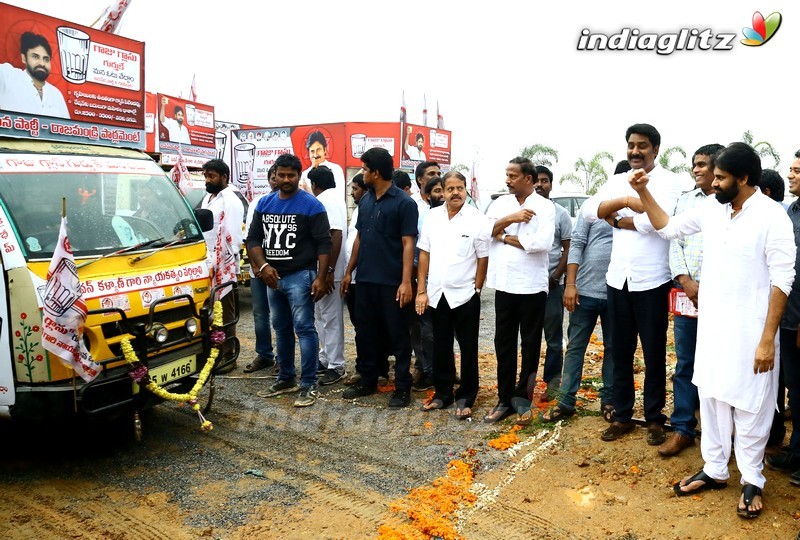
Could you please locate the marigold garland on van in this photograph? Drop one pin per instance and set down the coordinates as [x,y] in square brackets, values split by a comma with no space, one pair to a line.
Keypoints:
[139,372]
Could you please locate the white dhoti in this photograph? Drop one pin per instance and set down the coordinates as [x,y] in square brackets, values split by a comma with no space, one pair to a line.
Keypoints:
[329,321]
[719,419]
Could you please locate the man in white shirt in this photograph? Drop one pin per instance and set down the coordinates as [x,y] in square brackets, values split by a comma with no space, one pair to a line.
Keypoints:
[453,259]
[222,200]
[27,90]
[178,132]
[748,271]
[638,283]
[317,146]
[329,311]
[522,230]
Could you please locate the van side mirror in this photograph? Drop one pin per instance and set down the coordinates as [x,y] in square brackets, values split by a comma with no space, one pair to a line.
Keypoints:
[205,218]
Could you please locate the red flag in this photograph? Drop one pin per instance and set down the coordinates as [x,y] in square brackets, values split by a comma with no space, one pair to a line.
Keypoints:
[424,110]
[439,118]
[473,190]
[224,257]
[193,89]
[112,16]
[64,312]
[180,174]
[403,108]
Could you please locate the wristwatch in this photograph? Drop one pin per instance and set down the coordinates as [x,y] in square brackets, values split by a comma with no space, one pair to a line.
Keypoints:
[478,291]
[617,219]
[331,270]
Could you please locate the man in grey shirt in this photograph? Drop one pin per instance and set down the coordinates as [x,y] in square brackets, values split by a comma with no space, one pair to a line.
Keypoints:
[554,310]
[585,298]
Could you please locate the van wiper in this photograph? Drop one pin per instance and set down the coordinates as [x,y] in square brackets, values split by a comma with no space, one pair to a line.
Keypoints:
[121,251]
[178,238]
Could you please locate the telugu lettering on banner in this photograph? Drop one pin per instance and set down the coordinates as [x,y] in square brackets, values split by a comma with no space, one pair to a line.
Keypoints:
[95,288]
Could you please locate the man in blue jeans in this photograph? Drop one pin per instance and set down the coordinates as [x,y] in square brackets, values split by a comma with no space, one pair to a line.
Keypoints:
[265,356]
[585,297]
[685,262]
[289,242]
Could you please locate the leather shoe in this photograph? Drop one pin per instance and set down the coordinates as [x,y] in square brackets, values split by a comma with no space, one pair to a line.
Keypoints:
[617,430]
[676,443]
[655,434]
[784,461]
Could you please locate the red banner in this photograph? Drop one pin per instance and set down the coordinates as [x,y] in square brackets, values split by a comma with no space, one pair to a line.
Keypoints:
[70,83]
[186,124]
[361,136]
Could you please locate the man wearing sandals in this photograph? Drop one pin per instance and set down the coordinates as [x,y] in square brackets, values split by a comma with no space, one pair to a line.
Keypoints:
[453,258]
[748,270]
[523,225]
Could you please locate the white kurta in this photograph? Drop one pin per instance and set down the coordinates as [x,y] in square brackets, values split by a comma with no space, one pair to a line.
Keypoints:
[743,258]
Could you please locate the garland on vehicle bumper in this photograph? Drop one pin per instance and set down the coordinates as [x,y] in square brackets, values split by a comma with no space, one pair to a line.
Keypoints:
[138,372]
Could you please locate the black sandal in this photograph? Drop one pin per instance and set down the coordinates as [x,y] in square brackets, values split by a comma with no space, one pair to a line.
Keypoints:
[750,492]
[556,413]
[437,403]
[708,483]
[499,412]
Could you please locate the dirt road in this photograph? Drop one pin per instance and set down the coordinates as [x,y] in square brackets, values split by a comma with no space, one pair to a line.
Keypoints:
[334,470]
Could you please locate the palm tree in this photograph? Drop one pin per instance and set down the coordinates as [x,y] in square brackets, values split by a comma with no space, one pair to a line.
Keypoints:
[592,173]
[540,154]
[763,149]
[664,160]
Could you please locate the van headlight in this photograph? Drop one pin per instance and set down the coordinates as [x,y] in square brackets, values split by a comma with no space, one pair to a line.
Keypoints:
[190,325]
[159,333]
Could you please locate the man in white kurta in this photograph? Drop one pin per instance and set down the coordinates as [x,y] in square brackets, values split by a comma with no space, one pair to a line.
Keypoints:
[329,310]
[748,269]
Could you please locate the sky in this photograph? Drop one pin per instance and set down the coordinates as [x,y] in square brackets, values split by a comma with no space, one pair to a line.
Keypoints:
[506,74]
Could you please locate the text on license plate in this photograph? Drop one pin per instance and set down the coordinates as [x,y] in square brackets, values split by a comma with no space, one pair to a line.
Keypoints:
[171,371]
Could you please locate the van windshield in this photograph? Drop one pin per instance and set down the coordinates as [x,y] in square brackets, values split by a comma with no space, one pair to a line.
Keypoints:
[106,211]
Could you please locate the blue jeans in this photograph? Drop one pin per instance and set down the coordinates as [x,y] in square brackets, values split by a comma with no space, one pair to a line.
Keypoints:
[554,334]
[293,313]
[261,318]
[684,393]
[581,325]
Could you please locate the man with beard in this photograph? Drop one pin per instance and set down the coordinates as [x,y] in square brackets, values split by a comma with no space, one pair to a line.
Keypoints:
[638,283]
[685,262]
[27,90]
[289,242]
[415,152]
[748,270]
[453,258]
[317,146]
[178,132]
[225,205]
[434,190]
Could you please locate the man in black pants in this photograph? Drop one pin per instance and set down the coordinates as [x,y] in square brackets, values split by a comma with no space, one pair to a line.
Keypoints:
[639,281]
[523,225]
[383,255]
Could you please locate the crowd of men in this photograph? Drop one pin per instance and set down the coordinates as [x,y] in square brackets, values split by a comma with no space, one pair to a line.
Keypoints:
[411,265]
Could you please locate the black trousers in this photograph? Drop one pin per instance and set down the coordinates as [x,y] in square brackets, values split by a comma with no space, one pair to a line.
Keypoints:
[643,315]
[463,324]
[517,315]
[383,364]
[382,326]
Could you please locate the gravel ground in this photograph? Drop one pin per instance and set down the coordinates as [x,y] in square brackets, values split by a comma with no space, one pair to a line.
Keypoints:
[353,453]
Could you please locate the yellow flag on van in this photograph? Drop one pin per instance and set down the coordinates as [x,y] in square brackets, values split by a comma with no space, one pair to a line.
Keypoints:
[64,311]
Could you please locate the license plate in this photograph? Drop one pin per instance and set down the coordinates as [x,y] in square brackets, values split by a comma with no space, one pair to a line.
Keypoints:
[171,371]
